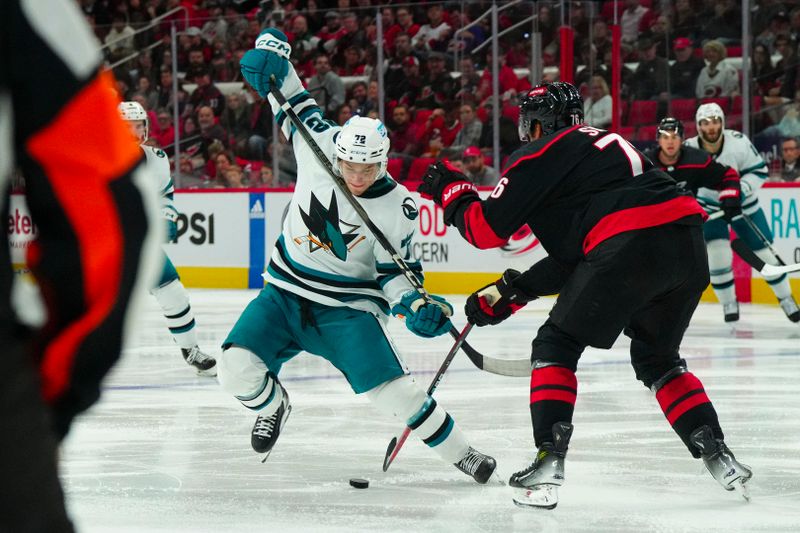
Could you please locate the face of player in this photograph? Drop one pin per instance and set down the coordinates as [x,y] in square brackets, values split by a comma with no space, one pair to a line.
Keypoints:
[359,176]
[670,144]
[710,129]
[138,129]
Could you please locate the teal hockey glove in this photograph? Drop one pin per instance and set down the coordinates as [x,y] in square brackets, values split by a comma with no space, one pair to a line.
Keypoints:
[269,58]
[425,320]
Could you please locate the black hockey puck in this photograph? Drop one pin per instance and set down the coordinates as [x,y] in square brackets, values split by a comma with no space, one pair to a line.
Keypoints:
[359,483]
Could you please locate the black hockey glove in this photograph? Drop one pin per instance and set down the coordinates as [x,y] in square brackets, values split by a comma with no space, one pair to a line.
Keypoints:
[448,188]
[730,199]
[497,301]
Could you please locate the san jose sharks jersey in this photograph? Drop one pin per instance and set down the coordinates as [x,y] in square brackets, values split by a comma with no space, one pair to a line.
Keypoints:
[325,252]
[158,165]
[738,153]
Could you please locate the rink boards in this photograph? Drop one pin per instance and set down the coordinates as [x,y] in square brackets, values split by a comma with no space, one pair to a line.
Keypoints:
[225,239]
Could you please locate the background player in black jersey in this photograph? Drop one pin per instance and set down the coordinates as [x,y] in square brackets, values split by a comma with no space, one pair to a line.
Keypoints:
[692,168]
[626,253]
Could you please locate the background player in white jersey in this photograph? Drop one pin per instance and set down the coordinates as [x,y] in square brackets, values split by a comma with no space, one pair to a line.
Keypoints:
[169,292]
[734,149]
[331,284]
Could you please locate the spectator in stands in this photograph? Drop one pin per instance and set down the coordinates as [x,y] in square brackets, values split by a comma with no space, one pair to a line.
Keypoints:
[790,169]
[405,19]
[332,32]
[438,86]
[589,66]
[724,22]
[508,80]
[778,25]
[411,86]
[471,129]
[601,37]
[358,99]
[468,83]
[196,65]
[633,18]
[652,75]
[354,35]
[764,74]
[266,178]
[233,177]
[144,67]
[236,122]
[343,113]
[163,131]
[402,46]
[207,93]
[786,66]
[716,79]
[216,26]
[144,88]
[209,129]
[353,62]
[476,170]
[403,134]
[305,43]
[509,136]
[597,107]
[326,86]
[684,71]
[119,39]
[659,31]
[434,35]
[261,124]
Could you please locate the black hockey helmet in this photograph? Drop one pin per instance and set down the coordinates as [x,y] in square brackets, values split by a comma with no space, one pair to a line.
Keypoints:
[553,105]
[670,125]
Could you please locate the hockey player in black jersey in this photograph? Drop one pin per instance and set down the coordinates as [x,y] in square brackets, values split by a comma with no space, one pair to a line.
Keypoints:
[626,253]
[693,168]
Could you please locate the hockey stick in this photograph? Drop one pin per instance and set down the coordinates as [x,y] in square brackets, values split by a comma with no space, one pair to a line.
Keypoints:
[515,368]
[749,257]
[397,443]
[763,239]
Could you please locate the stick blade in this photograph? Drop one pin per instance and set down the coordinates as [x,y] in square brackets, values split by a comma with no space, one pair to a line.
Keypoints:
[747,255]
[389,455]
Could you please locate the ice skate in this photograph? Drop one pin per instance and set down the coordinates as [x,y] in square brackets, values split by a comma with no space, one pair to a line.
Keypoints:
[478,465]
[203,363]
[267,429]
[731,311]
[719,460]
[537,485]
[789,307]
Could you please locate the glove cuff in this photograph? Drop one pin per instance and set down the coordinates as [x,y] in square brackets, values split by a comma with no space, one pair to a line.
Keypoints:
[457,189]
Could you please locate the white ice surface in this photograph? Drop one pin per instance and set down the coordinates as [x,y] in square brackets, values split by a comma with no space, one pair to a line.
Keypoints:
[167,451]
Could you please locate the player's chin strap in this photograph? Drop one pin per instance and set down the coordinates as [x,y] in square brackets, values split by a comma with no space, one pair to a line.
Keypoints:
[515,368]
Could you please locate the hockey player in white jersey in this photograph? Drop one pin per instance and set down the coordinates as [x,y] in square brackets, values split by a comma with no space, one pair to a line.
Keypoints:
[331,286]
[734,149]
[169,292]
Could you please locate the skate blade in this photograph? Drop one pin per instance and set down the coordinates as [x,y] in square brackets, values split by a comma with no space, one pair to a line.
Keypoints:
[539,497]
[497,478]
[741,489]
[210,373]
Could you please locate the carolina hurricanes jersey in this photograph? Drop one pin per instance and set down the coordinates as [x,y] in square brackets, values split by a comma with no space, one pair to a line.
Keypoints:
[325,252]
[575,188]
[695,169]
[158,165]
[739,153]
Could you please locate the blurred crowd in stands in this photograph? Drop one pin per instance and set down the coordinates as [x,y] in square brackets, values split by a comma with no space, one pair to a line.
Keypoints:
[436,74]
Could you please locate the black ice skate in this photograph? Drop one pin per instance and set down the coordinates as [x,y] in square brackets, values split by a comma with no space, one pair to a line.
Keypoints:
[789,307]
[267,429]
[475,464]
[203,363]
[719,460]
[731,311]
[537,485]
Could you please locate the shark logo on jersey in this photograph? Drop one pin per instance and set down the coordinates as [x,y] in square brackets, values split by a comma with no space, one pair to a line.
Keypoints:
[324,229]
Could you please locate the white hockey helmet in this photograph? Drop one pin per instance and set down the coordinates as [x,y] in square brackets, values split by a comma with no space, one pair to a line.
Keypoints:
[708,111]
[363,140]
[134,112]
